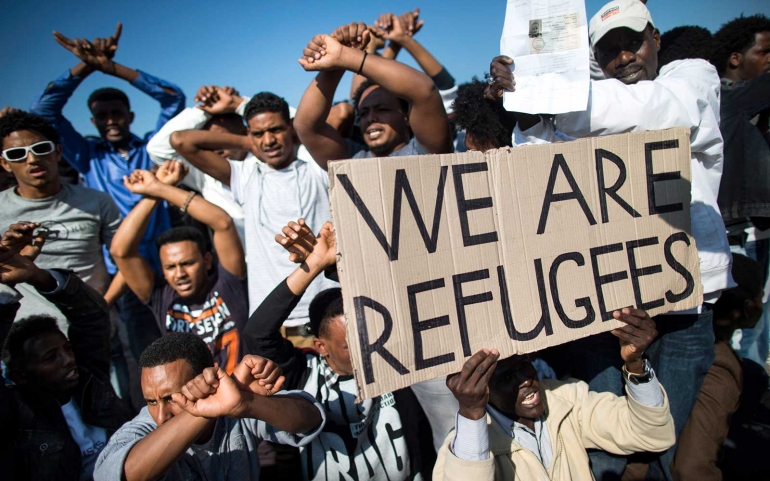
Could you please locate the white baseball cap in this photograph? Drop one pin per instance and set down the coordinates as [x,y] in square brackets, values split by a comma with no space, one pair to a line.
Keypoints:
[632,14]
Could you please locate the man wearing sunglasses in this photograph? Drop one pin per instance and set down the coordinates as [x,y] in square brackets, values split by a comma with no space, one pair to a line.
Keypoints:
[77,220]
[103,162]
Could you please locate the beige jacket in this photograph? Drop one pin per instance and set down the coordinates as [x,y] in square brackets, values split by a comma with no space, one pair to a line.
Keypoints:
[577,419]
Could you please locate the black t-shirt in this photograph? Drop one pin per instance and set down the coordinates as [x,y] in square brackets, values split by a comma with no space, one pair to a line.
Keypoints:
[219,319]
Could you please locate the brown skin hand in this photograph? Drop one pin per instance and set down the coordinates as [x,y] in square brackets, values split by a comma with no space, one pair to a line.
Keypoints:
[334,347]
[185,268]
[37,177]
[629,56]
[273,138]
[384,126]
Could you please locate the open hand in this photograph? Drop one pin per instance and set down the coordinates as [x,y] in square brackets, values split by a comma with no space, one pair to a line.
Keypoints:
[635,337]
[470,386]
[211,394]
[25,238]
[502,78]
[258,375]
[304,246]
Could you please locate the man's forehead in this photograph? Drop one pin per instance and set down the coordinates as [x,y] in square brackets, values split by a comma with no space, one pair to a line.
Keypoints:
[44,342]
[267,120]
[107,105]
[23,137]
[180,251]
[166,378]
[376,95]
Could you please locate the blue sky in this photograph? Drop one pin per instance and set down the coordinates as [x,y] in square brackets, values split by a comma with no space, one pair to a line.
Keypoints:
[254,45]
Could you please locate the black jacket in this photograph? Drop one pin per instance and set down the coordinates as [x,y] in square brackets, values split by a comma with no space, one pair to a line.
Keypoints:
[745,187]
[262,337]
[36,443]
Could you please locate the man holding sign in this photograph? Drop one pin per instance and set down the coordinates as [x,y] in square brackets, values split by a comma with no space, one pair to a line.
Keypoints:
[637,98]
[503,431]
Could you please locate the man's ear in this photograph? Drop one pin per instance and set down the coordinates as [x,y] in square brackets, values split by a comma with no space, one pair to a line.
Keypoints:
[93,122]
[656,36]
[320,347]
[58,152]
[208,260]
[5,165]
[130,118]
[735,60]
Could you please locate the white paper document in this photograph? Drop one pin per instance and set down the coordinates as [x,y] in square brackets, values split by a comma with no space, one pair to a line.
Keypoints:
[548,42]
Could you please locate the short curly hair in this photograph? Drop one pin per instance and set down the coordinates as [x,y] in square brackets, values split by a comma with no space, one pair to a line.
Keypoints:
[20,120]
[181,234]
[175,346]
[20,332]
[683,42]
[737,35]
[267,102]
[485,120]
[326,306]
[108,94]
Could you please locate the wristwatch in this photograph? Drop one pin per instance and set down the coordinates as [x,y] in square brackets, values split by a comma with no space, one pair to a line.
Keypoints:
[639,378]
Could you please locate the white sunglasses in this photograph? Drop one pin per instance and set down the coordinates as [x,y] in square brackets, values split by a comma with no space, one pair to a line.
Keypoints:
[17,154]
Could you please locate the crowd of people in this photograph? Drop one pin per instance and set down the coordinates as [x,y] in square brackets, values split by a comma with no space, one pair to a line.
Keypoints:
[170,305]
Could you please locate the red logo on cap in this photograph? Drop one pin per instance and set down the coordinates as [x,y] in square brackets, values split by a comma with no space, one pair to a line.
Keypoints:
[612,11]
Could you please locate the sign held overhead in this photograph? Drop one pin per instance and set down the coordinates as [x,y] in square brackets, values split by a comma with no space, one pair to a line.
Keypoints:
[516,249]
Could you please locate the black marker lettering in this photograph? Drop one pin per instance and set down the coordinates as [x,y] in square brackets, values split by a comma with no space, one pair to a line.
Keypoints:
[582,302]
[466,205]
[378,346]
[418,326]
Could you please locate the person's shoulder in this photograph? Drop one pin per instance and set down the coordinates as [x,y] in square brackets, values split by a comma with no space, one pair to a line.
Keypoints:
[569,389]
[692,68]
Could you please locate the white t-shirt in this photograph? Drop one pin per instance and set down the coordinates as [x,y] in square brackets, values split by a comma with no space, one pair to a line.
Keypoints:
[270,199]
[91,439]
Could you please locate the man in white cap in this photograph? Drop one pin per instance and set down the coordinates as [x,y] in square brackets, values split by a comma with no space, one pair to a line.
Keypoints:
[635,98]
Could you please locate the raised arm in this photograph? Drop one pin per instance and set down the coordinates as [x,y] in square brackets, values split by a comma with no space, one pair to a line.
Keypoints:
[262,335]
[98,55]
[198,147]
[226,241]
[322,140]
[427,116]
[125,245]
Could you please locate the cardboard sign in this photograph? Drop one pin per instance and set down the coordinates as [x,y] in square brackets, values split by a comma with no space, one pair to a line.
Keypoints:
[517,249]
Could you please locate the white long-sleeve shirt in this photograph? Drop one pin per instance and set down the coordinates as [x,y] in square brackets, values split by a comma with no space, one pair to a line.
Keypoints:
[685,94]
[212,190]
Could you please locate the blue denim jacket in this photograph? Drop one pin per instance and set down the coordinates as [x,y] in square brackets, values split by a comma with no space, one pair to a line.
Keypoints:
[99,162]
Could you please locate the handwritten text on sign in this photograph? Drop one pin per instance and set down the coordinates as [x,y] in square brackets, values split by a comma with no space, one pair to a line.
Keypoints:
[516,249]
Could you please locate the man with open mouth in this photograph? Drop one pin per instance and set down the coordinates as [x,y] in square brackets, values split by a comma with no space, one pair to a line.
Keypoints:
[513,426]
